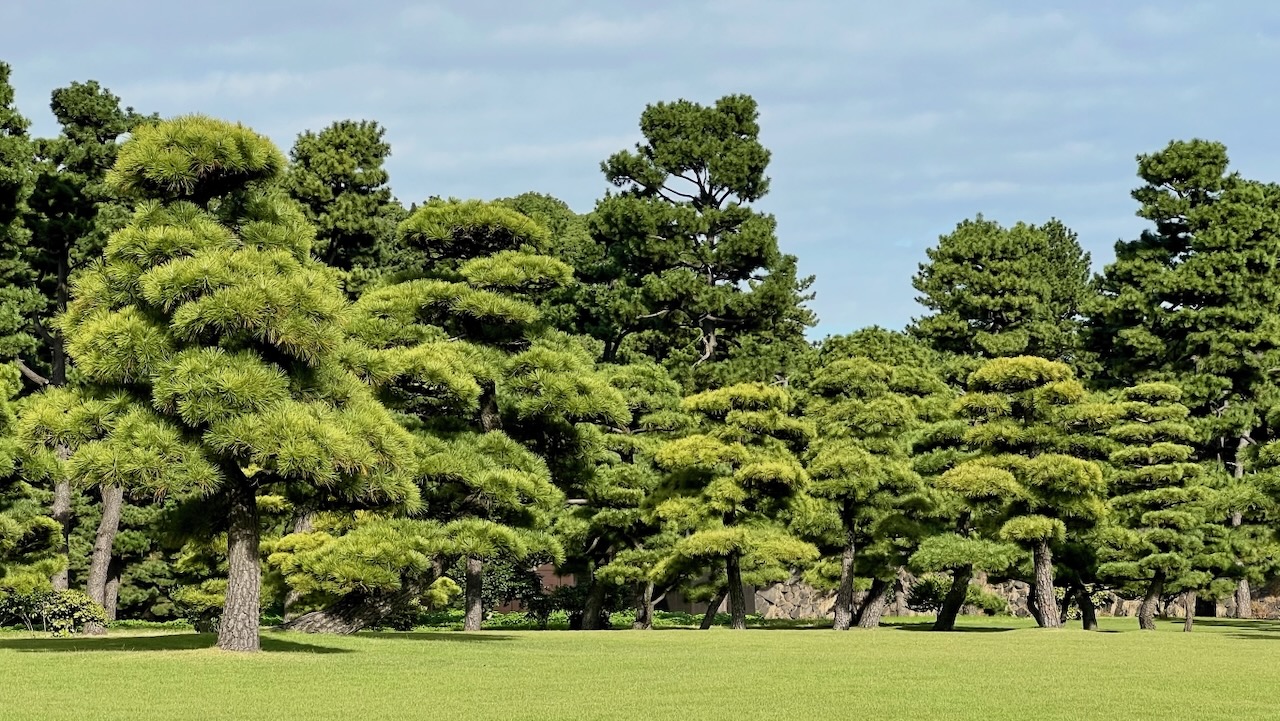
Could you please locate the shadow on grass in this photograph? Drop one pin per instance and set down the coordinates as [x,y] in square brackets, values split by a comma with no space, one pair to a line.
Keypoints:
[452,636]
[1243,624]
[958,629]
[167,642]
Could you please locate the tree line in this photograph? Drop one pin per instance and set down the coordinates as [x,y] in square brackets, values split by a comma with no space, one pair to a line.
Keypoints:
[242,382]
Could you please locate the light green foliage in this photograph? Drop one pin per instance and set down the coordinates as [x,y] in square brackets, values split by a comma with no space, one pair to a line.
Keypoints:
[338,178]
[27,535]
[690,270]
[996,291]
[731,484]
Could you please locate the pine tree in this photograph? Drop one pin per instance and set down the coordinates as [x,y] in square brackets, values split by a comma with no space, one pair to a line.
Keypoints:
[209,315]
[996,292]
[337,175]
[689,267]
[28,537]
[1030,484]
[1158,519]
[1195,301]
[730,488]
[17,297]
[867,408]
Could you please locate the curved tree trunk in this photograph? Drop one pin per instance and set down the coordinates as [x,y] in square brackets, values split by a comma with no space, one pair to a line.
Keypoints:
[303,523]
[473,598]
[872,608]
[844,593]
[737,601]
[1147,611]
[100,562]
[1189,604]
[954,599]
[238,628]
[1088,612]
[709,618]
[355,611]
[644,607]
[1043,591]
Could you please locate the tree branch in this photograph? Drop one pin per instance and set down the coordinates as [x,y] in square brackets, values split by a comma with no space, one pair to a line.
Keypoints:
[30,374]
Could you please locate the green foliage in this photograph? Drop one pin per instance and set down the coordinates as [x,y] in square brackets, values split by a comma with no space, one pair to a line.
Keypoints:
[996,291]
[337,176]
[926,594]
[61,613]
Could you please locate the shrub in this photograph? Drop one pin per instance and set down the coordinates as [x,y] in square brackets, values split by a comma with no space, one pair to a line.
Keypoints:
[58,612]
[927,593]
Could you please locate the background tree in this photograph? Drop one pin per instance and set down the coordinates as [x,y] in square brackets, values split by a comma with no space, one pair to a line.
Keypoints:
[996,291]
[208,310]
[337,175]
[689,268]
[1194,301]
[28,537]
[731,484]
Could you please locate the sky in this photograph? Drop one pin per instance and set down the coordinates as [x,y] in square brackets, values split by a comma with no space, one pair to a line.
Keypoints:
[889,122]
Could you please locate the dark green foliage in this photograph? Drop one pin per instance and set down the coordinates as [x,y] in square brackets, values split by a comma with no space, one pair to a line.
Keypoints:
[337,176]
[27,535]
[17,297]
[689,268]
[996,291]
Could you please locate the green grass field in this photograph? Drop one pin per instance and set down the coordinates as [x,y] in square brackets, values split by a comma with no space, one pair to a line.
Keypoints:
[998,669]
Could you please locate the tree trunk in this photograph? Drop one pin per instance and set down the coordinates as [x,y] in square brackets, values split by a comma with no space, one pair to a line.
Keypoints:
[1088,612]
[474,599]
[1033,606]
[61,513]
[1244,600]
[644,607]
[1043,591]
[1189,603]
[111,594]
[490,416]
[709,618]
[873,606]
[1147,611]
[100,562]
[593,606]
[238,628]
[302,523]
[954,600]
[844,593]
[355,611]
[737,601]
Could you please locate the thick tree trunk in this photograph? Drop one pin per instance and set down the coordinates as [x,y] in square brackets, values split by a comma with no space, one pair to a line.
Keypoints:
[111,594]
[100,562]
[1189,605]
[709,618]
[737,601]
[1043,591]
[872,608]
[238,628]
[302,523]
[1244,600]
[954,599]
[844,593]
[490,416]
[473,598]
[644,607]
[355,611]
[1033,606]
[593,607]
[1088,612]
[1147,611]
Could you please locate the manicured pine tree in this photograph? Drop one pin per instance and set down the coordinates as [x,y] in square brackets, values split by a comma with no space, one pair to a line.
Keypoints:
[689,267]
[1028,485]
[208,313]
[866,412]
[1158,518]
[731,486]
[338,176]
[995,291]
[1195,300]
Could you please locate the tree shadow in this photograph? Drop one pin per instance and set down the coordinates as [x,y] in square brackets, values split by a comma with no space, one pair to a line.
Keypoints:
[1243,624]
[450,636]
[166,642]
[958,629]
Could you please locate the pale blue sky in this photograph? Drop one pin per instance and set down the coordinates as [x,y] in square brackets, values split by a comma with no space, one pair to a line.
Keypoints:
[888,121]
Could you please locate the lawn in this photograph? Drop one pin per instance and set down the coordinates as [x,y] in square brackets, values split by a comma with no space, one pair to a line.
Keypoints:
[998,669]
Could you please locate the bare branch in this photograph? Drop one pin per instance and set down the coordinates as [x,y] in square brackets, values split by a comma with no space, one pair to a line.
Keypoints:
[30,374]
